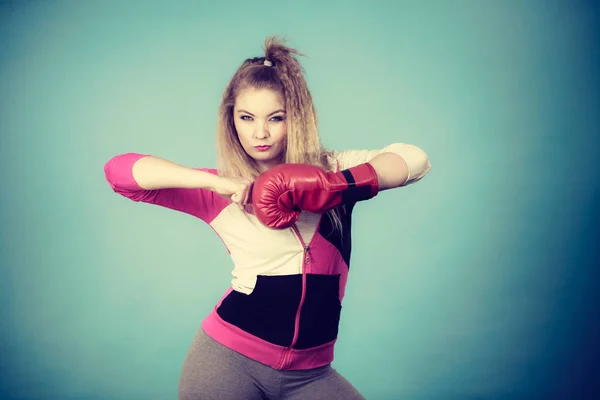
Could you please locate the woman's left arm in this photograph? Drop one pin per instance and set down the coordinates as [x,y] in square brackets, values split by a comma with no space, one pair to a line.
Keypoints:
[392,170]
[397,165]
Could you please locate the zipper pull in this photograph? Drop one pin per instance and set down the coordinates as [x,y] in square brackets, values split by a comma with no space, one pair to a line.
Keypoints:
[307,259]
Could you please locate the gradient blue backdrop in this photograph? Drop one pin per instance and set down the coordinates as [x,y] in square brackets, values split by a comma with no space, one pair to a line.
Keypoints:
[476,283]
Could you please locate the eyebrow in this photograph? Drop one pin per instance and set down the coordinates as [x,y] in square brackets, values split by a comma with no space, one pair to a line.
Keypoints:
[248,112]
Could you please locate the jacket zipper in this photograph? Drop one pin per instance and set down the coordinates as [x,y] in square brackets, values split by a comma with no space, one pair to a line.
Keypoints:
[306,260]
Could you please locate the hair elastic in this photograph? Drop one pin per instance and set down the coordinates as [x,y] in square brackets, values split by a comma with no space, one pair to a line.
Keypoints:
[268,63]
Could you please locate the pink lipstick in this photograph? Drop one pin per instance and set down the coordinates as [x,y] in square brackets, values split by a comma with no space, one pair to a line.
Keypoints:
[262,148]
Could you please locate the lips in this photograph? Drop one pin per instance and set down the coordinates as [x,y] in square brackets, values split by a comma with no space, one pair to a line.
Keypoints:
[262,148]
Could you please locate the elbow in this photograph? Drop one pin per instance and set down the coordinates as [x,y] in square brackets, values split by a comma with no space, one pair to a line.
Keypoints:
[109,174]
[118,172]
[416,160]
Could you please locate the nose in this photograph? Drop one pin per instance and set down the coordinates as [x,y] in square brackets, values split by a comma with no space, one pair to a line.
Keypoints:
[261,131]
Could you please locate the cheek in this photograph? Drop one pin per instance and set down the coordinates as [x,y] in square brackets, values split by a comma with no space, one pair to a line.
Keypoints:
[242,133]
[280,132]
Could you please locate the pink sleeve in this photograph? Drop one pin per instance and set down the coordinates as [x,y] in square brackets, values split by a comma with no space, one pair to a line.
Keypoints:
[200,203]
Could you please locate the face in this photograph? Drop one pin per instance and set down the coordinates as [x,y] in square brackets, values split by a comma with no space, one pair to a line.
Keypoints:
[259,118]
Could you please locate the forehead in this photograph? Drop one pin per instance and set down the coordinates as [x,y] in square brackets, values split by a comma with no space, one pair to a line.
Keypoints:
[259,100]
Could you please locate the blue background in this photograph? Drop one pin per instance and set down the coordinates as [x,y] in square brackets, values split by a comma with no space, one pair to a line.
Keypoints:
[476,283]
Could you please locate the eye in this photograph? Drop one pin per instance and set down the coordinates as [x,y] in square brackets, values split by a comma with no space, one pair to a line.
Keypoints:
[278,118]
[246,118]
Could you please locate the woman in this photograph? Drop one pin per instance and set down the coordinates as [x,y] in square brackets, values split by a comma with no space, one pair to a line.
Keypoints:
[282,206]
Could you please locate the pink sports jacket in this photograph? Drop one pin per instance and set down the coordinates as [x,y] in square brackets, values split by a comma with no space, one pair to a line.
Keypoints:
[283,306]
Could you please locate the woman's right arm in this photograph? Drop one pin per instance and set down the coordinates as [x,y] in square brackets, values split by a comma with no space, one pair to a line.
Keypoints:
[151,172]
[150,179]
[134,174]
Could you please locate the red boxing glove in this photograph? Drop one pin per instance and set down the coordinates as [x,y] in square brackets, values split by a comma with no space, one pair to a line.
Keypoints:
[281,192]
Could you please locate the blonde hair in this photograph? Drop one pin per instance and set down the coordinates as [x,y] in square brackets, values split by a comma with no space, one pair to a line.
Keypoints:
[278,70]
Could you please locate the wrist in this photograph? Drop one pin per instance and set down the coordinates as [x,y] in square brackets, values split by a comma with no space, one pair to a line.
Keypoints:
[362,182]
[209,181]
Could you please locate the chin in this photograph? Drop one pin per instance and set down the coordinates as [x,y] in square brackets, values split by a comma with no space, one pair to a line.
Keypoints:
[265,155]
[269,160]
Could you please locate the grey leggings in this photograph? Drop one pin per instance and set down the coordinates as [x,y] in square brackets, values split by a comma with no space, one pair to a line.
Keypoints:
[212,371]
